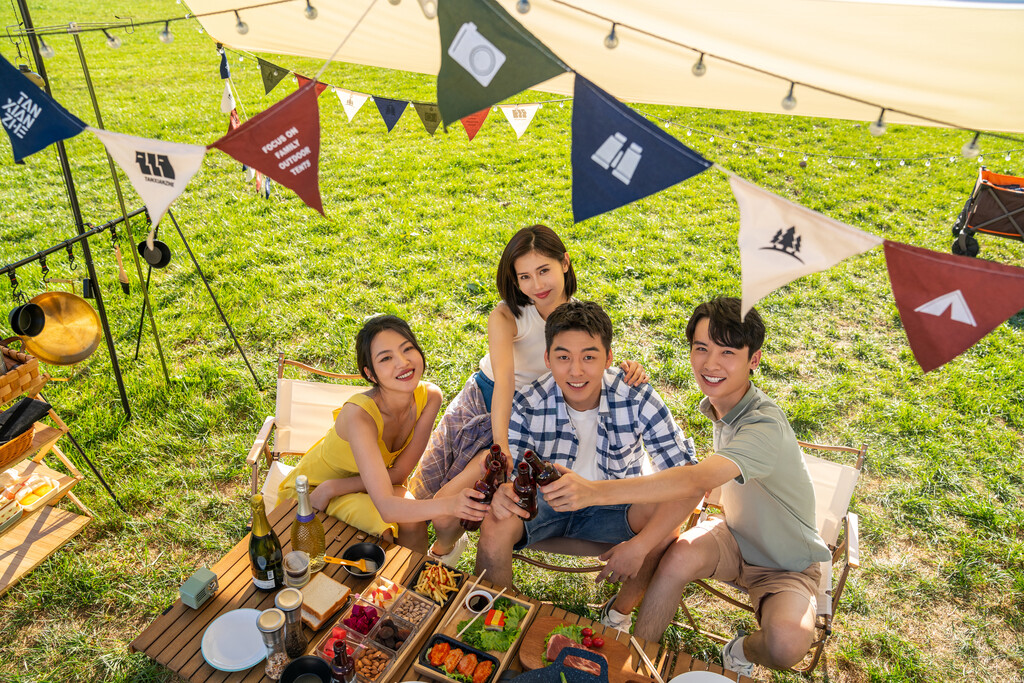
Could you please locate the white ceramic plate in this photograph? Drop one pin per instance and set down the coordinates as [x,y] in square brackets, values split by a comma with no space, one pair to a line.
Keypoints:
[700,677]
[232,642]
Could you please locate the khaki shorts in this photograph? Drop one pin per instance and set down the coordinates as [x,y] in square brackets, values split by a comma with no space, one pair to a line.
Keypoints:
[759,582]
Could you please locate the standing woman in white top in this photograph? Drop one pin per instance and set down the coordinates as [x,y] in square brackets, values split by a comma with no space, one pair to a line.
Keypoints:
[535,276]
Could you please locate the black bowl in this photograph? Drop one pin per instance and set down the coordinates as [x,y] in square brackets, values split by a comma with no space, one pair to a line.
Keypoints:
[364,551]
[158,257]
[307,664]
[27,320]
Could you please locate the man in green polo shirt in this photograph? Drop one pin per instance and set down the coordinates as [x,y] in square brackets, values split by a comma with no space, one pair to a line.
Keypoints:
[767,541]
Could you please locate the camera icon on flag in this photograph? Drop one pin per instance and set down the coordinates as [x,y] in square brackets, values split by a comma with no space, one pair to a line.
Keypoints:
[611,155]
[477,55]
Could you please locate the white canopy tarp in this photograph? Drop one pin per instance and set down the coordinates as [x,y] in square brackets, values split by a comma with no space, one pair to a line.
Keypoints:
[958,63]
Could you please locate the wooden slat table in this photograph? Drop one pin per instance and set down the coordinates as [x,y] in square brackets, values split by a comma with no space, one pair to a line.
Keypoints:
[174,638]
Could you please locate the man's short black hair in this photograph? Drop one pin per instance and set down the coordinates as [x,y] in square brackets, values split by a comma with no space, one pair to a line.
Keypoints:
[579,315]
[725,326]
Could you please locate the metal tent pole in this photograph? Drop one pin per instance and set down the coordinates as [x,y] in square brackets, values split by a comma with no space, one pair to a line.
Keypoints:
[76,211]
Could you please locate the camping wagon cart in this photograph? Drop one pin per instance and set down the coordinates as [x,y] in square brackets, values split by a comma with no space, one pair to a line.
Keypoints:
[995,207]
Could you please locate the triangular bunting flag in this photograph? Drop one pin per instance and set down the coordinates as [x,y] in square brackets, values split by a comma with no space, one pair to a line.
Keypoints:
[271,74]
[351,101]
[225,72]
[320,87]
[520,116]
[430,115]
[31,118]
[486,57]
[781,241]
[947,303]
[619,156]
[473,122]
[284,143]
[390,110]
[227,100]
[158,170]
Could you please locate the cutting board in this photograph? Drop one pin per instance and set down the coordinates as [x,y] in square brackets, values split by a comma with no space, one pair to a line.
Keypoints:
[532,648]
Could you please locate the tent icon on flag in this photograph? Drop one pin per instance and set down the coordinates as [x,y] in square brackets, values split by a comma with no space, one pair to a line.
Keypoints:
[960,312]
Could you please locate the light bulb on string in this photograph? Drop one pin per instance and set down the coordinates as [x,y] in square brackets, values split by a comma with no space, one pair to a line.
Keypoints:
[981,160]
[113,42]
[878,127]
[523,6]
[45,51]
[611,41]
[971,149]
[1007,157]
[241,26]
[165,36]
[928,163]
[878,163]
[310,11]
[699,68]
[429,8]
[789,102]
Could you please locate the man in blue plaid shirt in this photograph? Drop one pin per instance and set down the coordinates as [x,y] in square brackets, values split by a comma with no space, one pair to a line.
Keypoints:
[585,420]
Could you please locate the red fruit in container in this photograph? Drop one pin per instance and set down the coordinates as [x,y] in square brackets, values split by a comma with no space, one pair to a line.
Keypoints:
[589,632]
[597,641]
[587,641]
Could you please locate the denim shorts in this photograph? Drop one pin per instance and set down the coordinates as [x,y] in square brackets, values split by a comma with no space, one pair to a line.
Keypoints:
[601,523]
[486,385]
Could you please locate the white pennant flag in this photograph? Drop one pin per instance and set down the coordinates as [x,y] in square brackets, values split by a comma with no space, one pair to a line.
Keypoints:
[158,170]
[351,101]
[227,102]
[781,241]
[520,116]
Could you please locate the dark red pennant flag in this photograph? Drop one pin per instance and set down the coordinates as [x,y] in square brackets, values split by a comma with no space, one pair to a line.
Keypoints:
[947,303]
[473,122]
[284,143]
[320,87]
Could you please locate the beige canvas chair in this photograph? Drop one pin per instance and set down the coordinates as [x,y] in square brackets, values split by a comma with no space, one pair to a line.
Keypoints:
[833,488]
[303,414]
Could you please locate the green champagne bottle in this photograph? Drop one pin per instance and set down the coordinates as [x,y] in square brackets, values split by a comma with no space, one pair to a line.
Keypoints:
[265,556]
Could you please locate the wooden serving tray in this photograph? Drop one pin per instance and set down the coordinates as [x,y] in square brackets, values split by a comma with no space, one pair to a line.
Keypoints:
[532,648]
[458,612]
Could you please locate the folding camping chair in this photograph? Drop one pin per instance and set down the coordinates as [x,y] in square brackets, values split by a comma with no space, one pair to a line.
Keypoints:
[303,414]
[833,489]
[995,207]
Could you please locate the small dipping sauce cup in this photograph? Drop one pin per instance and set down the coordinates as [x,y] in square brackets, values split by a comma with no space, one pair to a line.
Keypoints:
[477,601]
[296,569]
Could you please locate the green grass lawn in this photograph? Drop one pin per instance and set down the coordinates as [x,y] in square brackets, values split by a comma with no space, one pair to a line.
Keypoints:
[414,226]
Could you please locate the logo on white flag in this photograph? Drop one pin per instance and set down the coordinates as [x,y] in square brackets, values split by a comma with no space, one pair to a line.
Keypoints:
[954,302]
[159,171]
[623,163]
[787,242]
[351,101]
[477,55]
[519,116]
[19,116]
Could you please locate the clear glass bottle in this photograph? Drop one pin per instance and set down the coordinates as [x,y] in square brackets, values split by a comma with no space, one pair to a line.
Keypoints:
[307,531]
[271,626]
[289,601]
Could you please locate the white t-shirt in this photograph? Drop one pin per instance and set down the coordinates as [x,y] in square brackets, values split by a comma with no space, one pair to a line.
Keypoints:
[585,424]
[527,348]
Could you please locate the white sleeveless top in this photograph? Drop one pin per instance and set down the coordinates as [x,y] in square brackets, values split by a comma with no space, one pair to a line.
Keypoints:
[527,348]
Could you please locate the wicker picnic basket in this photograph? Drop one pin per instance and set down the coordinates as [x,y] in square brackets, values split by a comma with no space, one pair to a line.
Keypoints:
[15,447]
[20,372]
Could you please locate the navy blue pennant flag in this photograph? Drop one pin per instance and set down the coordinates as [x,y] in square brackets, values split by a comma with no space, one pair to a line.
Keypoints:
[30,117]
[618,156]
[390,110]
[225,72]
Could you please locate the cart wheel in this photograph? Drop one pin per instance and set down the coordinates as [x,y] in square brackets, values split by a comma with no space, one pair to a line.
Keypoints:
[972,247]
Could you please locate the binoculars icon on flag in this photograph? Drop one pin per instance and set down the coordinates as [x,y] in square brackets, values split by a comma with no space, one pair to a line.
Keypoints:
[611,155]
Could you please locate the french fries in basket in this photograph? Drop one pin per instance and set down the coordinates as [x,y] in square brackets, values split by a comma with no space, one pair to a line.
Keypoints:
[437,582]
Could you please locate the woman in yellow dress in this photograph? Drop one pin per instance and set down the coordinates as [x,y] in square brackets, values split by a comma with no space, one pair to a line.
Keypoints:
[357,472]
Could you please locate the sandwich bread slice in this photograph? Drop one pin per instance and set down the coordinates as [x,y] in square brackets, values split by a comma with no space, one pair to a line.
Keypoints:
[322,597]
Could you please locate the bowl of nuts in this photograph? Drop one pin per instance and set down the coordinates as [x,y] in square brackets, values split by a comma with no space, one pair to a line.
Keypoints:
[373,661]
